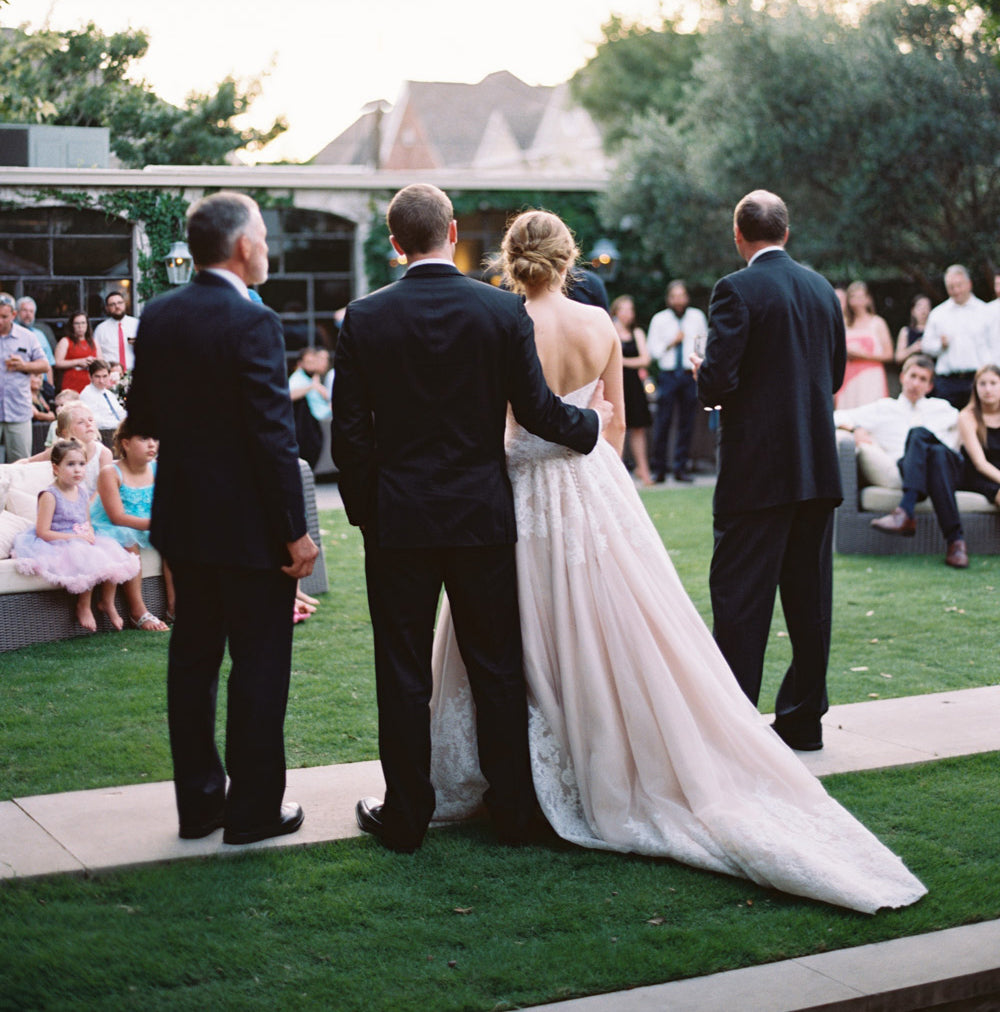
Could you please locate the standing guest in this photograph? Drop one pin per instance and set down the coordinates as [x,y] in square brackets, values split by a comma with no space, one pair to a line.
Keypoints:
[958,335]
[100,398]
[425,370]
[21,356]
[586,286]
[912,440]
[775,355]
[26,310]
[115,336]
[675,334]
[635,358]
[869,346]
[910,339]
[75,352]
[229,518]
[310,400]
[979,429]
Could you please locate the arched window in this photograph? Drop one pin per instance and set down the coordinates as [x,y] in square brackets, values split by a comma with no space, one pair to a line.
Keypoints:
[310,274]
[64,258]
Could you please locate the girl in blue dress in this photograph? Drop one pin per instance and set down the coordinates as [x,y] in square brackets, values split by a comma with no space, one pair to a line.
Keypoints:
[63,547]
[121,511]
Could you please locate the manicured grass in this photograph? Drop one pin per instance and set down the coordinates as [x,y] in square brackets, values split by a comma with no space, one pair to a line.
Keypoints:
[467,925]
[91,712]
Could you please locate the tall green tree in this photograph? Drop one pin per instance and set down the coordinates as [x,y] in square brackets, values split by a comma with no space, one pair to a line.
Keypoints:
[638,69]
[883,137]
[81,78]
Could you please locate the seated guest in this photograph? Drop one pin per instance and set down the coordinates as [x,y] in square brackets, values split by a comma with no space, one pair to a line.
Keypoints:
[979,428]
[98,396]
[920,434]
[62,398]
[76,421]
[310,401]
[42,409]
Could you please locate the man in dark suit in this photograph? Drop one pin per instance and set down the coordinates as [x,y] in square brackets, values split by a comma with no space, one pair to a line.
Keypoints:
[774,357]
[229,518]
[424,371]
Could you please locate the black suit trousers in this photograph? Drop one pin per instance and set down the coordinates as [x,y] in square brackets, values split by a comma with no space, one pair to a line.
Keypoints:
[251,610]
[404,587]
[929,468]
[788,548]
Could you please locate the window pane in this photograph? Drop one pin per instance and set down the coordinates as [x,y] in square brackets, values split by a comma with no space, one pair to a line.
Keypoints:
[98,290]
[24,256]
[317,255]
[69,221]
[297,220]
[92,256]
[27,220]
[279,293]
[332,293]
[56,300]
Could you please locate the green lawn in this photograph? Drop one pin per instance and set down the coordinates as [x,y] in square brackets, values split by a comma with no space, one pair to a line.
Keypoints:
[91,712]
[464,924]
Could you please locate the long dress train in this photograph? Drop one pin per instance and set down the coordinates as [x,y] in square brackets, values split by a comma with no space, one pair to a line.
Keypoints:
[641,739]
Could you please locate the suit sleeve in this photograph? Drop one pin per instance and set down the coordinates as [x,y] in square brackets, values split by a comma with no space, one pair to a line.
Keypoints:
[267,411]
[533,403]
[353,431]
[728,331]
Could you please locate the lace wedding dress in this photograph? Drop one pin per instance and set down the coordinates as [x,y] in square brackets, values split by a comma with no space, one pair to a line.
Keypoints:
[641,739]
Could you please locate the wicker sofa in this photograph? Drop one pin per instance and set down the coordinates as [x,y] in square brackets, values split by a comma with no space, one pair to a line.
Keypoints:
[32,611]
[854,535]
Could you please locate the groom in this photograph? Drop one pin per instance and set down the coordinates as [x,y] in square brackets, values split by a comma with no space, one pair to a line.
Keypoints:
[424,371]
[774,357]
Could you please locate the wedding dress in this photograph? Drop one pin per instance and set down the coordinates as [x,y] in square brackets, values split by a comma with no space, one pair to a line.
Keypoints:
[641,739]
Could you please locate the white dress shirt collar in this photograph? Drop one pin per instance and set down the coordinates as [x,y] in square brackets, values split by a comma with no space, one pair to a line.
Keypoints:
[236,281]
[761,252]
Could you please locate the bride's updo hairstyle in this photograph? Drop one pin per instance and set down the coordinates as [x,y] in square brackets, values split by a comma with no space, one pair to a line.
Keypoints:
[537,248]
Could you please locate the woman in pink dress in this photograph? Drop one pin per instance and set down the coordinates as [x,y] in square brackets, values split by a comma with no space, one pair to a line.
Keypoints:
[869,346]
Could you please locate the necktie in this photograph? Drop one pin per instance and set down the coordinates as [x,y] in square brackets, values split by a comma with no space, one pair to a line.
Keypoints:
[121,347]
[110,405]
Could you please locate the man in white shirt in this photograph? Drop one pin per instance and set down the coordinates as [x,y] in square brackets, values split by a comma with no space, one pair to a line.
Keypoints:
[920,433]
[675,334]
[116,335]
[107,409]
[959,335]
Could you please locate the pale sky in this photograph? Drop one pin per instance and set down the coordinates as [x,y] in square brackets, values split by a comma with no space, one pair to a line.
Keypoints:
[327,58]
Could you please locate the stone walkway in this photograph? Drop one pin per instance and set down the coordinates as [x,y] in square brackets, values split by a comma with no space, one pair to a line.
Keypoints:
[118,827]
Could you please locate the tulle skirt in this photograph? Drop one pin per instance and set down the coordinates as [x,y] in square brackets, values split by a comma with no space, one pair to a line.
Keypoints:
[74,564]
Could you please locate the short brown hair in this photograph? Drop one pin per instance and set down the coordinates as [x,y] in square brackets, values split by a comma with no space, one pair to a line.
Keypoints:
[418,218]
[920,361]
[762,215]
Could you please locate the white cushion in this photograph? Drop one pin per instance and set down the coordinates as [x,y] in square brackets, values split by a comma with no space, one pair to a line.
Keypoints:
[13,582]
[27,477]
[10,526]
[877,467]
[875,499]
[24,504]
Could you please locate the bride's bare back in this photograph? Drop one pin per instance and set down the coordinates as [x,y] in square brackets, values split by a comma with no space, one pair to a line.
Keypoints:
[576,345]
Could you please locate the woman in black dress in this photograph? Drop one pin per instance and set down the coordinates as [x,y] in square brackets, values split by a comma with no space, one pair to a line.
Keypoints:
[635,359]
[979,427]
[909,340]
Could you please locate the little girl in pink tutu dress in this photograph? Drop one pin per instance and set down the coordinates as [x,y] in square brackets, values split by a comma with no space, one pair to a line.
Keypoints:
[63,548]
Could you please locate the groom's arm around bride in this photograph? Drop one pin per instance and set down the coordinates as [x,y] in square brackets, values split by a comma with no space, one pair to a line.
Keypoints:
[424,371]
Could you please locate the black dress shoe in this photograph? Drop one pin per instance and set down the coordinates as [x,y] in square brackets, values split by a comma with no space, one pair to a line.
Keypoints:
[368,812]
[288,821]
[682,476]
[799,744]
[659,478]
[197,830]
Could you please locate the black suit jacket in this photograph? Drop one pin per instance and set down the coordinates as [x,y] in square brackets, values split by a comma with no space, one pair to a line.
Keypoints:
[774,357]
[423,373]
[210,384]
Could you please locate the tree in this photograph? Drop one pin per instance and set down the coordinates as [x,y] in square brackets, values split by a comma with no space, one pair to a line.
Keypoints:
[79,78]
[884,139]
[637,70]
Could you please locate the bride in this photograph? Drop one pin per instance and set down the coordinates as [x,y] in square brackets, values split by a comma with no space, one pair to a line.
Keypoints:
[641,739]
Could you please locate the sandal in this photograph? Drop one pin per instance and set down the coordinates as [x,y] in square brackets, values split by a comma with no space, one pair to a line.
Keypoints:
[148,622]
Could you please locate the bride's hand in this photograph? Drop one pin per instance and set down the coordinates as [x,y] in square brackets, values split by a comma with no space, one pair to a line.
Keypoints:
[605,409]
